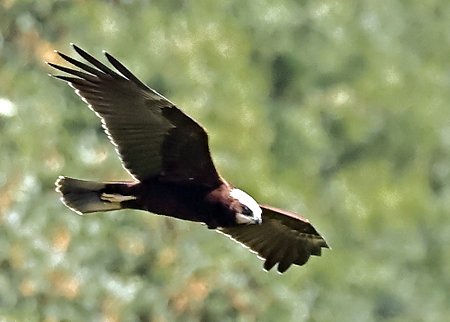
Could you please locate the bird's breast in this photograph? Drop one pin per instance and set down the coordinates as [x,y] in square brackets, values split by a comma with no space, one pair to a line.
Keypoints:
[186,202]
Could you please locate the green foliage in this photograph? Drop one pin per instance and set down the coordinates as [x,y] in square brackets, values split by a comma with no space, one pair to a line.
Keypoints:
[335,109]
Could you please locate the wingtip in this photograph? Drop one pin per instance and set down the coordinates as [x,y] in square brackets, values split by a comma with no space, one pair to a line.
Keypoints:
[76,48]
[107,55]
[60,54]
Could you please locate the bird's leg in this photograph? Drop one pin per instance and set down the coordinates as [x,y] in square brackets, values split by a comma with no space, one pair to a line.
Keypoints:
[114,197]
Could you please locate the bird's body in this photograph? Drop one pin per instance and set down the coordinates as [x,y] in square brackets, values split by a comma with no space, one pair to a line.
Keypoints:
[167,154]
[211,206]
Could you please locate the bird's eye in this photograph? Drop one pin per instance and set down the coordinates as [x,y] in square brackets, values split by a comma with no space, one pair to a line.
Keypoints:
[246,211]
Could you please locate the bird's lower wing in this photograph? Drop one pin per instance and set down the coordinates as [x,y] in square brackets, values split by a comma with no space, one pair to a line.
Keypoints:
[283,237]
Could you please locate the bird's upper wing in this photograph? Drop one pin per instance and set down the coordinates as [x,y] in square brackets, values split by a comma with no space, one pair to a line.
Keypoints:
[152,136]
[283,237]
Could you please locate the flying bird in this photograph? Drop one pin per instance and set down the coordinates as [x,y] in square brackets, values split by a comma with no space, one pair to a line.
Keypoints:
[167,154]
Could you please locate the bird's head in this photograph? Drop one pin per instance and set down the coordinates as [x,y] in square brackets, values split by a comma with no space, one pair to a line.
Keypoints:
[247,210]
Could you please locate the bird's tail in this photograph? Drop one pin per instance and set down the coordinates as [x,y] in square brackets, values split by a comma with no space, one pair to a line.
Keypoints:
[88,196]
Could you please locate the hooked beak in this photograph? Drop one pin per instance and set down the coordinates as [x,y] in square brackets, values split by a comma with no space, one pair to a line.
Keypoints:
[242,219]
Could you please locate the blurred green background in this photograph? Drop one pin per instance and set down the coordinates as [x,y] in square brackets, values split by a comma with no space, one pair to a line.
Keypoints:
[338,110]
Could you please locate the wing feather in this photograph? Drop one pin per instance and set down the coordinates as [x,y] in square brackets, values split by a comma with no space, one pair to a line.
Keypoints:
[283,238]
[152,136]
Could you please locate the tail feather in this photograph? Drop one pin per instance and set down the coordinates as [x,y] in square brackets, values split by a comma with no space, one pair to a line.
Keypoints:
[87,196]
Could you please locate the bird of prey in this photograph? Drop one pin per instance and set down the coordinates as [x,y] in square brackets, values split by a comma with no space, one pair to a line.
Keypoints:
[167,154]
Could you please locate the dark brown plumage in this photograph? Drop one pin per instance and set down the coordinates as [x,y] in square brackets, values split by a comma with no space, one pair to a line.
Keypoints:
[167,154]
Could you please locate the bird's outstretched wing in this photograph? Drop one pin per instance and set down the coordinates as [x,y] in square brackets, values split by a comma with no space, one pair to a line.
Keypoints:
[152,136]
[283,237]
